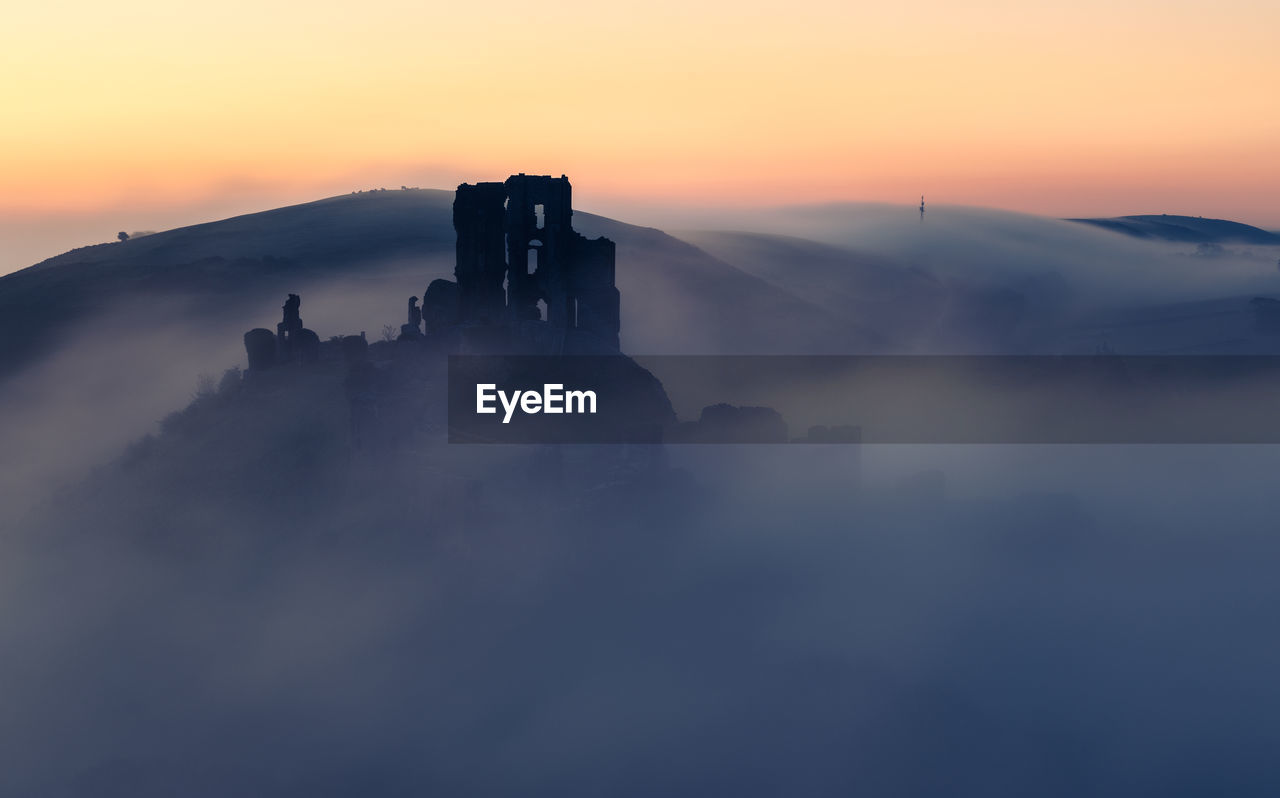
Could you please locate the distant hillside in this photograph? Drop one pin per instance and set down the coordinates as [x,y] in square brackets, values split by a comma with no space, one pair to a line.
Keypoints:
[356,258]
[378,248]
[98,344]
[913,309]
[1192,229]
[224,263]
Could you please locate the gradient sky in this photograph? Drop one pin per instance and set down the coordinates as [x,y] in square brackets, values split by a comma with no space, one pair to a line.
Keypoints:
[163,113]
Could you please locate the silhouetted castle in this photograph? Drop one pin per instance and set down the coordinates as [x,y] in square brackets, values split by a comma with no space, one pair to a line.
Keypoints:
[520,233]
[525,282]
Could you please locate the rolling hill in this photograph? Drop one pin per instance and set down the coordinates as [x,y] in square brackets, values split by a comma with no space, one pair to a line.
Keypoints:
[351,255]
[99,343]
[1189,229]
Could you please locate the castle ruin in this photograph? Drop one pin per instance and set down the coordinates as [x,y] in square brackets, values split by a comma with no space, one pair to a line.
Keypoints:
[519,260]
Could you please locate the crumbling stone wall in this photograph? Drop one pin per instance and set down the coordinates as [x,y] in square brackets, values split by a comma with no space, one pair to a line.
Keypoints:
[479,217]
[520,260]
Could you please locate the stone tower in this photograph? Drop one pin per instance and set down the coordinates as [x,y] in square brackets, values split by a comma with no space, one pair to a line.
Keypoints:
[519,260]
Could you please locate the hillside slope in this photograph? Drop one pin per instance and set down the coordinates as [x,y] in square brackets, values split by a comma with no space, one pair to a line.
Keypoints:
[913,310]
[1191,229]
[373,250]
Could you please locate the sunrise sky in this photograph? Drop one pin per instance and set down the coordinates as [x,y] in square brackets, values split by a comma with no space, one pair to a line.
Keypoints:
[164,113]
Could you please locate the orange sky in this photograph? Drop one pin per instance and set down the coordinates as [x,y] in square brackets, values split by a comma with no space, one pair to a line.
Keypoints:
[1072,108]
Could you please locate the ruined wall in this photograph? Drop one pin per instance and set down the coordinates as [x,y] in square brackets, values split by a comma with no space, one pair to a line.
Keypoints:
[539,236]
[592,287]
[479,217]
[521,232]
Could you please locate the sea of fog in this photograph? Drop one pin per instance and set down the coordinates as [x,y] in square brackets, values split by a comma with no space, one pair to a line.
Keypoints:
[815,620]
